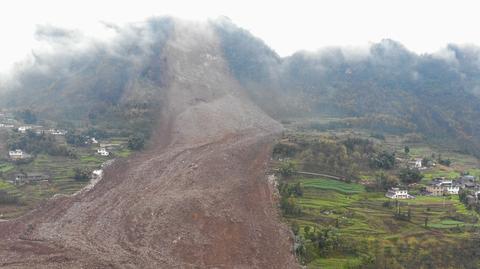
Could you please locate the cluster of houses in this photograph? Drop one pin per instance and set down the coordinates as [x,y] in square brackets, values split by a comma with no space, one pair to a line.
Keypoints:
[439,187]
[103,152]
[35,128]
[39,130]
[421,164]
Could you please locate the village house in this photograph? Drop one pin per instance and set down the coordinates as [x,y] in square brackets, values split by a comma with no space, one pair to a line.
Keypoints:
[103,152]
[57,132]
[23,129]
[21,178]
[440,186]
[467,182]
[416,163]
[17,154]
[397,193]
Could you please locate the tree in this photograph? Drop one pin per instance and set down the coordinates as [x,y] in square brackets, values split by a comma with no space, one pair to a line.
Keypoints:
[27,116]
[409,176]
[287,168]
[75,139]
[384,160]
[81,175]
[295,228]
[136,142]
[326,240]
[290,207]
[446,162]
[385,181]
[287,190]
[298,189]
[426,161]
[406,149]
[306,229]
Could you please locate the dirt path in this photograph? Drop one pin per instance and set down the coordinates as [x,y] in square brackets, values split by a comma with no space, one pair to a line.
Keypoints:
[198,198]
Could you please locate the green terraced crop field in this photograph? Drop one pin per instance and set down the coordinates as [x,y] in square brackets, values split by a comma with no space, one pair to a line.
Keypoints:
[334,185]
[364,217]
[61,171]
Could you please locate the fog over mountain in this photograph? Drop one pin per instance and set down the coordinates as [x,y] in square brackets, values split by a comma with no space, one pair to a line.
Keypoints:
[383,87]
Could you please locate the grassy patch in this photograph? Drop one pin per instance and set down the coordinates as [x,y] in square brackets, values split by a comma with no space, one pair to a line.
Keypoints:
[123,153]
[446,224]
[6,167]
[334,185]
[334,263]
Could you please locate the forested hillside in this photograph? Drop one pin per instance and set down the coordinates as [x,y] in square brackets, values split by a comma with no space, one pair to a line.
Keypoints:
[383,87]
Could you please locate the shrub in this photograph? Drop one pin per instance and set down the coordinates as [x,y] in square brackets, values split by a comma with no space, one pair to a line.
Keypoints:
[287,168]
[81,174]
[409,176]
[136,142]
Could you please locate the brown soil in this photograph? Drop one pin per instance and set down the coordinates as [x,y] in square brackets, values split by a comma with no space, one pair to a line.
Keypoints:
[197,198]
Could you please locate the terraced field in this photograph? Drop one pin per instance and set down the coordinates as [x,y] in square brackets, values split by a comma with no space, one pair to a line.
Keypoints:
[368,219]
[61,171]
[334,185]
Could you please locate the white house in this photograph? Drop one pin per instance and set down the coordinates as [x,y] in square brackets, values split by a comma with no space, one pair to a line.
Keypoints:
[417,163]
[103,152]
[453,189]
[23,129]
[58,132]
[397,193]
[16,154]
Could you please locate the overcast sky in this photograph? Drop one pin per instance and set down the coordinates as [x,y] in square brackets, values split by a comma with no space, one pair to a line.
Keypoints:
[287,26]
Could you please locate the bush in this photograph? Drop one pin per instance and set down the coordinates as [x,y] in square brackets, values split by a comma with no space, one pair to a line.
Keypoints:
[287,190]
[384,160]
[287,168]
[409,176]
[385,181]
[289,206]
[445,162]
[27,116]
[81,174]
[76,139]
[136,142]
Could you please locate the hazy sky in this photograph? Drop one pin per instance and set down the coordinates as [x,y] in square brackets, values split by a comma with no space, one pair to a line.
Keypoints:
[287,26]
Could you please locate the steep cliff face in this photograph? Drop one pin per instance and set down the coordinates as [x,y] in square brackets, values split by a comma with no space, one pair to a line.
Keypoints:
[197,198]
